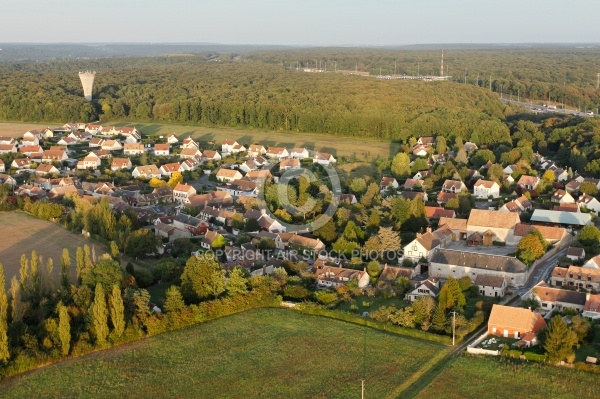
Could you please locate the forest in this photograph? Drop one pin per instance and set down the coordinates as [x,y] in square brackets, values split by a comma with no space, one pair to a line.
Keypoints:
[535,73]
[264,90]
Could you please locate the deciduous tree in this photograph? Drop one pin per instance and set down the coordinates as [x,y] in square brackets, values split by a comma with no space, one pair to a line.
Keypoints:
[117,311]
[99,316]
[64,328]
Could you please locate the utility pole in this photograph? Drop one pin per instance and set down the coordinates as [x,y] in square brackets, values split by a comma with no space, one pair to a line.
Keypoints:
[453,326]
[598,82]
[465,75]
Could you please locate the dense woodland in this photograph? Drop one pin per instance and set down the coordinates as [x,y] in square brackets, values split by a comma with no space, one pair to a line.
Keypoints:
[263,90]
[534,73]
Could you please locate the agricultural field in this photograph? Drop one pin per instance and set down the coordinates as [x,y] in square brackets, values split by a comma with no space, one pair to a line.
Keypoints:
[15,129]
[335,145]
[468,377]
[263,353]
[22,234]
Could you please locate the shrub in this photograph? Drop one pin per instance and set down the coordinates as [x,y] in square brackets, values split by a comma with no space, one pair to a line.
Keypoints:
[144,277]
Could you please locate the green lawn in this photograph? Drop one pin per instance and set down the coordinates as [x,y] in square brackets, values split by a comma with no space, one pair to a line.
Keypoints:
[264,353]
[468,377]
[362,304]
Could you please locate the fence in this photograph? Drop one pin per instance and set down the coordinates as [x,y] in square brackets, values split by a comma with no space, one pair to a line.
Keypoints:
[479,351]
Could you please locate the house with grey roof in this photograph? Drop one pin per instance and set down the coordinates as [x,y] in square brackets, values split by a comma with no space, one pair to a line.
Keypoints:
[448,262]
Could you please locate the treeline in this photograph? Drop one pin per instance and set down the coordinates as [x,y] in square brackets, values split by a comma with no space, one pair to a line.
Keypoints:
[248,94]
[42,320]
[535,73]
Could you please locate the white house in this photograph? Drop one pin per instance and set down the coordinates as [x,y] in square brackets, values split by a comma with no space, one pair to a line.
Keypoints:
[575,254]
[145,172]
[228,146]
[493,286]
[51,156]
[256,150]
[120,164]
[91,161]
[114,145]
[589,202]
[277,152]
[453,186]
[227,175]
[249,165]
[167,169]
[421,246]
[172,139]
[66,141]
[161,150]
[387,182]
[31,137]
[132,149]
[562,197]
[189,164]
[323,158]
[291,163]
[182,193]
[93,128]
[8,148]
[485,189]
[189,143]
[211,155]
[299,153]
[21,163]
[190,152]
[429,287]
[528,182]
[45,169]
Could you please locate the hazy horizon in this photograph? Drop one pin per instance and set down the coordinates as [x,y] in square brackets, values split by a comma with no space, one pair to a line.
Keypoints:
[324,23]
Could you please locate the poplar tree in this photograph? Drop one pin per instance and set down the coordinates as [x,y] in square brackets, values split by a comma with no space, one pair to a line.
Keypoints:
[24,272]
[80,263]
[64,328]
[117,311]
[65,269]
[4,352]
[46,278]
[99,316]
[35,275]
[16,300]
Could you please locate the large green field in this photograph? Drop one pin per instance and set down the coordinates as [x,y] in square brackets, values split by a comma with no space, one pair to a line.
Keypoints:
[336,145]
[468,377]
[265,353]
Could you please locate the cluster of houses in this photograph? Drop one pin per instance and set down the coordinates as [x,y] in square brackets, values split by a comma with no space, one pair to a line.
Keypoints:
[448,250]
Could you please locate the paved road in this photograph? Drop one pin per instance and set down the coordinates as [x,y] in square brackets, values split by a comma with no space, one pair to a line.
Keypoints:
[541,272]
[544,110]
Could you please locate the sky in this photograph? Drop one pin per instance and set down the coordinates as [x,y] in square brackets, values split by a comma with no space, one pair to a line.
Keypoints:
[300,22]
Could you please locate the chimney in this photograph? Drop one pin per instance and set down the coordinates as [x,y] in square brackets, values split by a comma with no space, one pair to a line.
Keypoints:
[587,296]
[428,229]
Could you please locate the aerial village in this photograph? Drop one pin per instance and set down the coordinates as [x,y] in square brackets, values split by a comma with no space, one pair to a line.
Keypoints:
[511,234]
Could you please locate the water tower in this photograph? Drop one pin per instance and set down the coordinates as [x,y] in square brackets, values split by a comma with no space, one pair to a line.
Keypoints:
[87,81]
